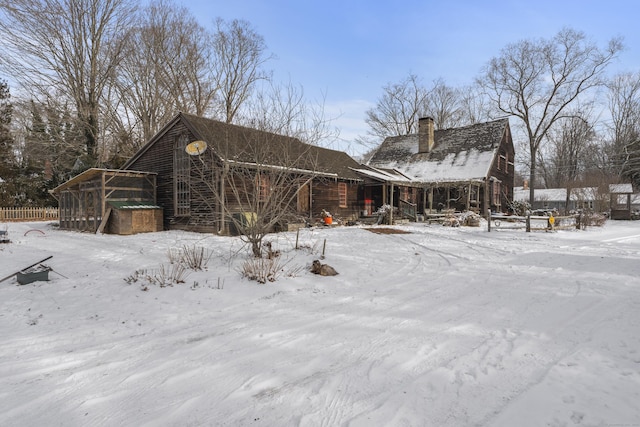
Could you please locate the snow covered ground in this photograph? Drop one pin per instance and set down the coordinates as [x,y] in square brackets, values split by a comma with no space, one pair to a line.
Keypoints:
[439,327]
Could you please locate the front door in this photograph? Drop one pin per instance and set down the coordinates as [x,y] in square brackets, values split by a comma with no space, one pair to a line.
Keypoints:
[303,199]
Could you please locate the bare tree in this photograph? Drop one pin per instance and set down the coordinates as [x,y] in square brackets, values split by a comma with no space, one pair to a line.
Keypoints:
[166,67]
[259,176]
[473,105]
[624,105]
[283,109]
[537,80]
[443,104]
[185,56]
[71,46]
[240,55]
[402,104]
[253,179]
[563,161]
[398,109]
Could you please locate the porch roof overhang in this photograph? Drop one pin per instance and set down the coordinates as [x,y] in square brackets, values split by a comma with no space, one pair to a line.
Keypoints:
[388,176]
[95,172]
[450,183]
[396,177]
[288,169]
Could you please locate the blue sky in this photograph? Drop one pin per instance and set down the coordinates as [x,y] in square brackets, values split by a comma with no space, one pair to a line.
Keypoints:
[348,50]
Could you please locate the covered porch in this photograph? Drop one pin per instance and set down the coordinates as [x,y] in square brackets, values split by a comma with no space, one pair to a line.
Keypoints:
[411,198]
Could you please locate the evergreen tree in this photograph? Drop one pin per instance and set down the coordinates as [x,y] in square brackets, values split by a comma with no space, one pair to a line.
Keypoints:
[52,147]
[7,156]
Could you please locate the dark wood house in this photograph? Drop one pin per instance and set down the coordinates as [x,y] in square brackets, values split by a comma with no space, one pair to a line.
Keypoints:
[465,168]
[208,172]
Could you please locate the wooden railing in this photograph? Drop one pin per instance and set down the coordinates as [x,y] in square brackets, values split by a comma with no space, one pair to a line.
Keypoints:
[533,222]
[28,214]
[408,210]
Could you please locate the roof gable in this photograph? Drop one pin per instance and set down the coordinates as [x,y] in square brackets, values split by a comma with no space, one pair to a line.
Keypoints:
[238,144]
[459,154]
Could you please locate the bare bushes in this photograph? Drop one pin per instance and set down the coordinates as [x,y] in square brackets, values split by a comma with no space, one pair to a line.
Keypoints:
[267,268]
[163,276]
[262,270]
[192,257]
[591,219]
[181,262]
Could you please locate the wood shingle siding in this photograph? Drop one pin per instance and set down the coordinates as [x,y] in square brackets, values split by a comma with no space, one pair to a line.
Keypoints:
[237,149]
[465,168]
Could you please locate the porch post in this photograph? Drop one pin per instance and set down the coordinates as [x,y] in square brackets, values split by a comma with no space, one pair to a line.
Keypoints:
[448,196]
[223,177]
[424,200]
[485,201]
[311,199]
[391,204]
[103,196]
[430,199]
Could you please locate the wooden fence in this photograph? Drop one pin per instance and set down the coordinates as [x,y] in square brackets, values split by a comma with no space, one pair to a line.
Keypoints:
[28,214]
[533,223]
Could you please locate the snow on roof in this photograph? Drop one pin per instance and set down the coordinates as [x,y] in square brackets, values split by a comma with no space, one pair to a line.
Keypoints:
[465,166]
[555,194]
[459,154]
[382,175]
[548,194]
[621,188]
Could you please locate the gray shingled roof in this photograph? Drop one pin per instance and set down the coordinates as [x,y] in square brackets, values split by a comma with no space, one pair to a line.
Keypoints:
[238,144]
[459,154]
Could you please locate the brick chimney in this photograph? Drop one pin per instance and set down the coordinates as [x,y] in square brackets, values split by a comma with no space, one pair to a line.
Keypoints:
[425,134]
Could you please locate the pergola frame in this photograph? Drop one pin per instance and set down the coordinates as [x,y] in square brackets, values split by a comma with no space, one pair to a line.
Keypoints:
[83,200]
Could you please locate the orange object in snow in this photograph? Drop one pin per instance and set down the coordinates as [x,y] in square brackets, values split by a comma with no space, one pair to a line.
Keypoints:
[328,220]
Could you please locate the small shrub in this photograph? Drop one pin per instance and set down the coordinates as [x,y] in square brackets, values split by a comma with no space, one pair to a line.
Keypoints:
[262,270]
[174,255]
[592,219]
[519,207]
[133,278]
[470,219]
[168,276]
[195,257]
[162,277]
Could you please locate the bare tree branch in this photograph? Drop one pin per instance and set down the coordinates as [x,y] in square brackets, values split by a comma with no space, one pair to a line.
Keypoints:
[537,80]
[240,54]
[69,46]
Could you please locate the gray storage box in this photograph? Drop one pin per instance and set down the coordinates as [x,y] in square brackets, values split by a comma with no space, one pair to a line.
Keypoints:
[35,274]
